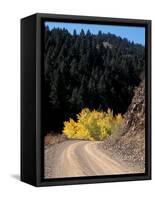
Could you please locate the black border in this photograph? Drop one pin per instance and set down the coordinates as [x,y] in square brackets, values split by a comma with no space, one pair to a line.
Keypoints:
[41,181]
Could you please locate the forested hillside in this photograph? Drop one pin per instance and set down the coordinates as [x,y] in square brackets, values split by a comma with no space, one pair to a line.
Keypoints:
[88,71]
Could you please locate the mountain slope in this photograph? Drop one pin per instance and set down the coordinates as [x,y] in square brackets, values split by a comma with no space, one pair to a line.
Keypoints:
[129,141]
[88,71]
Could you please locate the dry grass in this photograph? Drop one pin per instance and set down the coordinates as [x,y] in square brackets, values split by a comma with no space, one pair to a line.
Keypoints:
[116,135]
[52,138]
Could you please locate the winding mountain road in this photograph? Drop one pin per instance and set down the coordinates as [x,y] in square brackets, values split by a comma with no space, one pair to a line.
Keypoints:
[74,158]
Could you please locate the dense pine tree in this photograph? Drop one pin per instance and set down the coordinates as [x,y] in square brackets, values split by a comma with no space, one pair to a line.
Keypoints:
[86,70]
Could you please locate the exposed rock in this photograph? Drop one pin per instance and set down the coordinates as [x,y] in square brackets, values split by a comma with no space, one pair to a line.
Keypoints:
[129,140]
[107,45]
[133,129]
[135,117]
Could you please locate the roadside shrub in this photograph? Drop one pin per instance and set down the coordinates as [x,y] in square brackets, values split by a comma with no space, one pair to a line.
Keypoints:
[92,125]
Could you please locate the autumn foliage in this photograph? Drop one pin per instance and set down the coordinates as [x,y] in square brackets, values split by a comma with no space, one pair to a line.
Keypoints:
[92,125]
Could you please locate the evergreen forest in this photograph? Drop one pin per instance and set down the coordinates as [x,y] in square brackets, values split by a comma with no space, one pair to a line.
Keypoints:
[85,70]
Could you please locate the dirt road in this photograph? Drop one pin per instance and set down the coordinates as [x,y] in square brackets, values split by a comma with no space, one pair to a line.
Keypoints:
[81,158]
